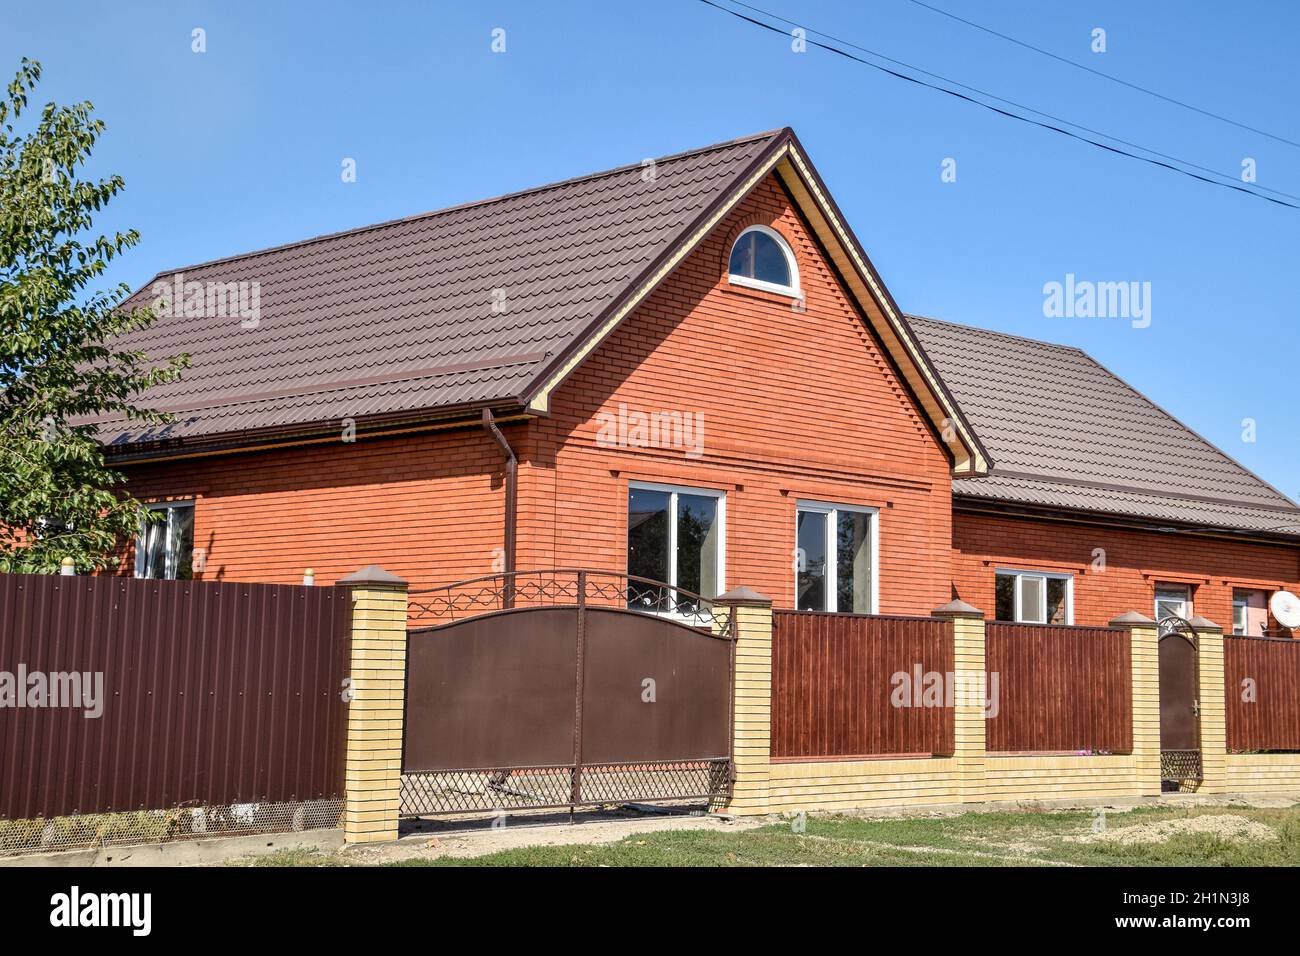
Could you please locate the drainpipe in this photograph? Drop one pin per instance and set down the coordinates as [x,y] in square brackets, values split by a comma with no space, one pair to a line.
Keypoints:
[512,484]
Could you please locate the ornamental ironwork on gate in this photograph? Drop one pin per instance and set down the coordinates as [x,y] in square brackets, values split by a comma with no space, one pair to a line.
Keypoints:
[563,688]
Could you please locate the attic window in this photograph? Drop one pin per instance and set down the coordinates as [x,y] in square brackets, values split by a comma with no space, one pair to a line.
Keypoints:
[761,259]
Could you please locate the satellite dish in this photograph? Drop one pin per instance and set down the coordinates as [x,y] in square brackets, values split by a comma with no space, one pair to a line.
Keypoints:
[1286,608]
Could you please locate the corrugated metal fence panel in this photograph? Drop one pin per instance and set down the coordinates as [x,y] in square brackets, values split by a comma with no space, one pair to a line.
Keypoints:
[1271,721]
[832,685]
[213,693]
[1060,688]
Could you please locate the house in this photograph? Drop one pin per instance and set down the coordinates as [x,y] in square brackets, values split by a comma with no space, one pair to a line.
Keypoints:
[684,369]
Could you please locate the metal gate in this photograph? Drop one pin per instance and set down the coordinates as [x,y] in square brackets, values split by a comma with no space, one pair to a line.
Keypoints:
[1180,711]
[563,688]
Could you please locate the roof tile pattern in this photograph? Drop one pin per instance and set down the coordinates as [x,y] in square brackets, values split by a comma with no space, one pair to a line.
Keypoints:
[454,307]
[1087,438]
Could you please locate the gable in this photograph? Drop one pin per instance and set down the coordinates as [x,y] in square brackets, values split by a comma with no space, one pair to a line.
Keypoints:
[808,385]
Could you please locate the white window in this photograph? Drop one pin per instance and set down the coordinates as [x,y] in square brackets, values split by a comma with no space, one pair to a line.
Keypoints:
[762,259]
[1035,597]
[165,546]
[835,563]
[1249,612]
[1173,600]
[675,535]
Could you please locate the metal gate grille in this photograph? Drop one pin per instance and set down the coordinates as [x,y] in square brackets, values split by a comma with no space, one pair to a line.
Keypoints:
[566,688]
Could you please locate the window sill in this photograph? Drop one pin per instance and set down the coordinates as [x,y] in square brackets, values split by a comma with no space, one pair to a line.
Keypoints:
[769,293]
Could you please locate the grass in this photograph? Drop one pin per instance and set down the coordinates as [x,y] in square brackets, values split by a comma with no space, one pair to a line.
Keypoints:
[1019,838]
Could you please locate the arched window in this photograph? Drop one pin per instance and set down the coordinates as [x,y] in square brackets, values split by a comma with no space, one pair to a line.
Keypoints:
[761,259]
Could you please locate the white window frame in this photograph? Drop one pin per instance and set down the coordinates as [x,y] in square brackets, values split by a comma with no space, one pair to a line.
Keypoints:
[1019,574]
[831,578]
[1170,586]
[169,559]
[673,491]
[1245,614]
[791,290]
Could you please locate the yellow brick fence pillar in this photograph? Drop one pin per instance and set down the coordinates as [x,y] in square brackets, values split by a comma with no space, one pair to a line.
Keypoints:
[378,679]
[1213,705]
[751,617]
[972,687]
[1144,657]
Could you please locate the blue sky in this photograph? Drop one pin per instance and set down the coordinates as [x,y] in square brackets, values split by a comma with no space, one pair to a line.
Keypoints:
[241,147]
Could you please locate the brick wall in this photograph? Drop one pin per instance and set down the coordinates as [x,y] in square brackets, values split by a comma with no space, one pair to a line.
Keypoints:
[796,405]
[425,507]
[1134,562]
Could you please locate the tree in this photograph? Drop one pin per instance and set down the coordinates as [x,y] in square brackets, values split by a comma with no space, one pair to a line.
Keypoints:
[59,363]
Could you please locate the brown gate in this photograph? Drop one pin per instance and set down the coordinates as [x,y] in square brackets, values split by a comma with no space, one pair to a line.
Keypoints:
[565,688]
[1180,722]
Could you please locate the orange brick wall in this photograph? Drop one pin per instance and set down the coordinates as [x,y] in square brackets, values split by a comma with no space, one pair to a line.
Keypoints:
[426,507]
[1134,562]
[795,405]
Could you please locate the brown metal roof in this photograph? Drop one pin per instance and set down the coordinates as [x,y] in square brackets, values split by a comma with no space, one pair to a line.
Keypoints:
[1066,433]
[399,317]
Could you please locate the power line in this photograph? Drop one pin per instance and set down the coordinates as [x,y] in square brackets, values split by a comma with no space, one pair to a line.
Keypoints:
[1229,184]
[1108,76]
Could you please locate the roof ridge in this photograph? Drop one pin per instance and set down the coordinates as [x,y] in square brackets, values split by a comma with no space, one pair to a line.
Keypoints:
[997,332]
[459,207]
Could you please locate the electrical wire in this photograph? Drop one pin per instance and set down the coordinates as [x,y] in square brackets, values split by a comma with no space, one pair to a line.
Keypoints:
[1228,184]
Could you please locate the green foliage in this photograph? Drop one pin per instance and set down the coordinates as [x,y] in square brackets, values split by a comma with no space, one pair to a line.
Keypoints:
[59,366]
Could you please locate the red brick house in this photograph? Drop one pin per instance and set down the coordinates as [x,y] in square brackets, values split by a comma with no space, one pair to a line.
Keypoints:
[686,369]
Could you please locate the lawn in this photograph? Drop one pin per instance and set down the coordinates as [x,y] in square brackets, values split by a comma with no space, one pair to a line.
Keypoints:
[1147,836]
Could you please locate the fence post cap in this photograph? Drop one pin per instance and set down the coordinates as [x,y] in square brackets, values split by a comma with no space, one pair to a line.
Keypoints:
[1204,624]
[373,574]
[743,597]
[957,608]
[67,566]
[1129,618]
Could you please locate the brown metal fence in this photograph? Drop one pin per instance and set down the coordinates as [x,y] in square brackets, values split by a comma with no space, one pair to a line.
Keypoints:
[212,694]
[1058,689]
[1262,687]
[834,687]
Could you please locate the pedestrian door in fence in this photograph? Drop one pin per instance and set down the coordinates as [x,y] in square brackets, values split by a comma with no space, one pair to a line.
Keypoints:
[1180,723]
[565,688]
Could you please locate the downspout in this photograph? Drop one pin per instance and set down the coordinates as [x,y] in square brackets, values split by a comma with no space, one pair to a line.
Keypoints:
[512,485]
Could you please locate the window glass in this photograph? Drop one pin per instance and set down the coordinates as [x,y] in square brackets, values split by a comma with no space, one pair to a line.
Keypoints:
[647,544]
[1006,597]
[1058,601]
[811,541]
[853,562]
[165,547]
[1033,599]
[697,544]
[757,255]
